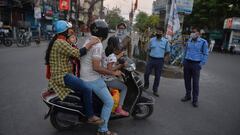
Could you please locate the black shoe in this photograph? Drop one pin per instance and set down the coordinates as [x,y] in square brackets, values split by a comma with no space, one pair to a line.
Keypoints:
[195,104]
[107,133]
[185,99]
[146,87]
[155,94]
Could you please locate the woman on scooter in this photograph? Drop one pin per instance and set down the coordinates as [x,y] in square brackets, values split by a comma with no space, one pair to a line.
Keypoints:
[59,70]
[113,53]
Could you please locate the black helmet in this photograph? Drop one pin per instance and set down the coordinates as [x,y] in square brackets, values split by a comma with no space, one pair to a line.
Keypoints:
[99,28]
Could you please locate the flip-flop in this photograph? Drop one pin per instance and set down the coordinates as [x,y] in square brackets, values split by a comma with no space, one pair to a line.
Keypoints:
[122,113]
[96,121]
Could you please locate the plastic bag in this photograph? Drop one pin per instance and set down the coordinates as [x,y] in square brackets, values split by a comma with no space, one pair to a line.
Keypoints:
[116,98]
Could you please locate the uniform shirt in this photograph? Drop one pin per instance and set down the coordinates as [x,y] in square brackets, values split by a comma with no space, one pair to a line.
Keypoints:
[158,47]
[197,50]
[110,59]
[60,65]
[87,72]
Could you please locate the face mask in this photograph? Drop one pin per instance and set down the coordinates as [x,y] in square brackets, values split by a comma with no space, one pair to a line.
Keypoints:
[121,32]
[159,35]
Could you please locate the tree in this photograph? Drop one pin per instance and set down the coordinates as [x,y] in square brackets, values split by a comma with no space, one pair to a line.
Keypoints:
[212,13]
[141,21]
[92,3]
[113,18]
[153,21]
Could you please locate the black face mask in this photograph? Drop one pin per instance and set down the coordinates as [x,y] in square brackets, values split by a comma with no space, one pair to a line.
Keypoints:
[158,35]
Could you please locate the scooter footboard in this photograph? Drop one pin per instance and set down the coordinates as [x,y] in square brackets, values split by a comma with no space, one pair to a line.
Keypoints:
[146,100]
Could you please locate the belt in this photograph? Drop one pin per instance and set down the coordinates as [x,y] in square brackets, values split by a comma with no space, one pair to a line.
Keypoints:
[192,61]
[154,57]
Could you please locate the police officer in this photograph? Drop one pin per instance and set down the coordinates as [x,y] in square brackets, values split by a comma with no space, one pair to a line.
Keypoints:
[157,48]
[196,55]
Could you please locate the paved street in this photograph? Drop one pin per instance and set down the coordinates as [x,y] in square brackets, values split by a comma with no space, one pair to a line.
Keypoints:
[21,108]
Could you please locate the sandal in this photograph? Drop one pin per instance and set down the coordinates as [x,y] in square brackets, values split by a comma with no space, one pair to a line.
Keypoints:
[120,111]
[95,120]
[106,133]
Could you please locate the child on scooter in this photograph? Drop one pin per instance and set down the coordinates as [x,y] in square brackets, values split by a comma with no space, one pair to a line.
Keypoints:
[72,40]
[113,53]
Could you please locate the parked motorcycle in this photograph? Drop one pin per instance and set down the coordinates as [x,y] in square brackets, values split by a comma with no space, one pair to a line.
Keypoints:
[69,113]
[4,39]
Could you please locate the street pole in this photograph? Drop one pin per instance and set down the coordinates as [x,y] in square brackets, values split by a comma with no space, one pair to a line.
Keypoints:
[101,11]
[168,8]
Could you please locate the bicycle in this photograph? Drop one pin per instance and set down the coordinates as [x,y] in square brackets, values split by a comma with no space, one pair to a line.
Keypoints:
[24,39]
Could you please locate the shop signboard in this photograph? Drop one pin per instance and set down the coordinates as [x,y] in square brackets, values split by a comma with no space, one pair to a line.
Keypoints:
[64,5]
[183,6]
[37,13]
[232,23]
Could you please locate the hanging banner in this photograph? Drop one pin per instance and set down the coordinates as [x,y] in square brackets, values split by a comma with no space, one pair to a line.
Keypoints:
[64,5]
[173,21]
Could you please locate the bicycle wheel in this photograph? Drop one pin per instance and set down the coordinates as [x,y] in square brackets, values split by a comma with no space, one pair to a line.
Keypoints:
[21,43]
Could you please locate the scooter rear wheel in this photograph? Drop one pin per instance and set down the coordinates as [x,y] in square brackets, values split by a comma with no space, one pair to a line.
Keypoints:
[142,111]
[58,123]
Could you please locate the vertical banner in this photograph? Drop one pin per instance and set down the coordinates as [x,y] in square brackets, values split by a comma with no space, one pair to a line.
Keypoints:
[173,22]
[64,5]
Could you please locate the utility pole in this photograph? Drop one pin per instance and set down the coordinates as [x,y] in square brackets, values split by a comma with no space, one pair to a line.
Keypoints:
[168,8]
[101,11]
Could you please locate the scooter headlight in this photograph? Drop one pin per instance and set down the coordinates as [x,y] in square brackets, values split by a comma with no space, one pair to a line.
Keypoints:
[131,67]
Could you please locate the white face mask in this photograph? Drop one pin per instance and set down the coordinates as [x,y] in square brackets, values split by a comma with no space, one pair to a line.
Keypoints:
[121,31]
[193,35]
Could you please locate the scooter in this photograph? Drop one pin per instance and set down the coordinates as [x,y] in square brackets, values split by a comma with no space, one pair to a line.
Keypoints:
[69,113]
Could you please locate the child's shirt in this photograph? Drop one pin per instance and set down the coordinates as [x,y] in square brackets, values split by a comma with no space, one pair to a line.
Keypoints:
[110,59]
[75,64]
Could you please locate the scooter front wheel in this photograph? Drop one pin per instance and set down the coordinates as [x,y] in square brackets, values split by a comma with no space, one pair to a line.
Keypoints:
[142,111]
[56,119]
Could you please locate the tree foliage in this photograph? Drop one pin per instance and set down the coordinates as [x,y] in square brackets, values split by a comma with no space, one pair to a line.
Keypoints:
[143,21]
[212,13]
[113,18]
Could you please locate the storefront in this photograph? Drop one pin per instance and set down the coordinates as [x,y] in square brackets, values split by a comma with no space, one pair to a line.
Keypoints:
[232,34]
